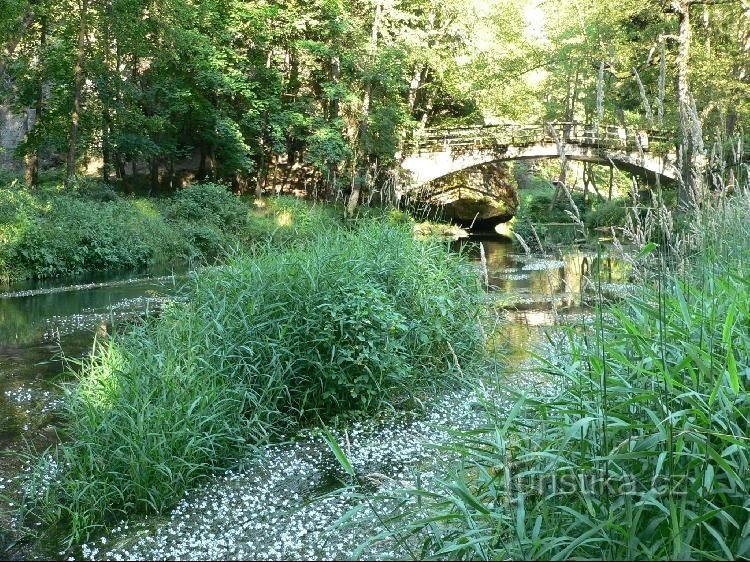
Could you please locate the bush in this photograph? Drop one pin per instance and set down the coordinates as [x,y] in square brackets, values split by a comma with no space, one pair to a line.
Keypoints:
[351,320]
[209,203]
[522,227]
[71,236]
[285,219]
[537,209]
[88,227]
[608,213]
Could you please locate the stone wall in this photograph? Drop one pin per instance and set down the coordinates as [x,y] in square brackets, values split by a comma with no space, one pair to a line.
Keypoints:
[484,193]
[11,135]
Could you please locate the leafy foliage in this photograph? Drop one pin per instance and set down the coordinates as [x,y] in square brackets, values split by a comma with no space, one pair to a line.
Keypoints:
[89,227]
[608,213]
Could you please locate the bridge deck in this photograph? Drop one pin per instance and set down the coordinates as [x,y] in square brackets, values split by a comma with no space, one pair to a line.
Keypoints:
[604,136]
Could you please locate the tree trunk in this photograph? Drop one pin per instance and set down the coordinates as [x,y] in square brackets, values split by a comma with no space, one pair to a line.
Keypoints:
[202,165]
[690,190]
[360,175]
[28,166]
[416,81]
[77,87]
[154,173]
[335,76]
[32,154]
[105,96]
[427,113]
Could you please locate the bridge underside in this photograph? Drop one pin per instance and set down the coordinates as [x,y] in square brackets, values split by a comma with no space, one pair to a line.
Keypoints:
[425,167]
[485,193]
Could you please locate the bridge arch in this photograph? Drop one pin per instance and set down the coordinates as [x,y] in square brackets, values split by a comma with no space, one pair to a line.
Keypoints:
[442,152]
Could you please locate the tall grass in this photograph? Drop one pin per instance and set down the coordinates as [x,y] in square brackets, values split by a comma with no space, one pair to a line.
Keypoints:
[644,451]
[352,320]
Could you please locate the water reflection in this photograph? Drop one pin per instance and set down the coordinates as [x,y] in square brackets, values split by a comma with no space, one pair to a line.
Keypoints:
[535,291]
[562,279]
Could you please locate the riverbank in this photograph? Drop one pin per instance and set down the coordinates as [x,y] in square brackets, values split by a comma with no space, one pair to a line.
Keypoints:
[88,228]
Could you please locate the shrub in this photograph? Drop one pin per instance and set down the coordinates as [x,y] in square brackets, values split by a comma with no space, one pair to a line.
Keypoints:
[608,213]
[522,227]
[72,236]
[537,208]
[351,320]
[88,227]
[209,203]
[284,219]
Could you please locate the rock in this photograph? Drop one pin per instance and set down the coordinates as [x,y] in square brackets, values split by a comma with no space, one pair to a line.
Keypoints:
[487,193]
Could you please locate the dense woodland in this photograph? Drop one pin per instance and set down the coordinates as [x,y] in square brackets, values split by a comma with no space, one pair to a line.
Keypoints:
[238,87]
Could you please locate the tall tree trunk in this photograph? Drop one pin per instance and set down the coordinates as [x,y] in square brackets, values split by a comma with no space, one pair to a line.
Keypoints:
[360,175]
[105,94]
[691,164]
[427,113]
[77,87]
[154,173]
[335,76]
[32,154]
[202,165]
[28,165]
[416,80]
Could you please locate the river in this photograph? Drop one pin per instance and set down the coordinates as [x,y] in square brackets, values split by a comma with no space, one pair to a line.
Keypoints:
[42,323]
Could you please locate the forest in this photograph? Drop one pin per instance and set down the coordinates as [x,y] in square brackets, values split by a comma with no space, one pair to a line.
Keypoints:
[374,279]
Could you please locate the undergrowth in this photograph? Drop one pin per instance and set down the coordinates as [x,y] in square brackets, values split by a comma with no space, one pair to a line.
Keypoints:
[88,227]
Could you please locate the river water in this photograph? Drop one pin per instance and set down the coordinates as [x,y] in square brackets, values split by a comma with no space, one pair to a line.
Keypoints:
[43,322]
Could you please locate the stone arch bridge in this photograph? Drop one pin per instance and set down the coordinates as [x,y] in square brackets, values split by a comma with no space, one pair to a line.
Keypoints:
[436,154]
[440,152]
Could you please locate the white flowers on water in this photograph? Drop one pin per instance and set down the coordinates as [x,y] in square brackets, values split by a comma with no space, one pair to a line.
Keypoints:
[285,504]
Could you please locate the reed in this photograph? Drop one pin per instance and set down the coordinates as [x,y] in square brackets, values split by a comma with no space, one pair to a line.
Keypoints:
[643,452]
[350,321]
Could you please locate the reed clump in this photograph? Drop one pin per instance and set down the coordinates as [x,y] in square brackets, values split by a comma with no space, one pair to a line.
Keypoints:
[351,320]
[643,451]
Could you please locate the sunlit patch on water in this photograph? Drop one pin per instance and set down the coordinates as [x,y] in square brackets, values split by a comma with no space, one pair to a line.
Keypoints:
[100,319]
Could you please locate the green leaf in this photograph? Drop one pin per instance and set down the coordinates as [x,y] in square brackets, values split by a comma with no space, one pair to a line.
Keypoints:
[338,452]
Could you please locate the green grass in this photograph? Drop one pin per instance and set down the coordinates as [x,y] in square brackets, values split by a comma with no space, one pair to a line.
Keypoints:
[349,321]
[643,451]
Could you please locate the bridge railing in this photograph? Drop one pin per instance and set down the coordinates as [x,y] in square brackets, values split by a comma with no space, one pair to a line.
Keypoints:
[588,134]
